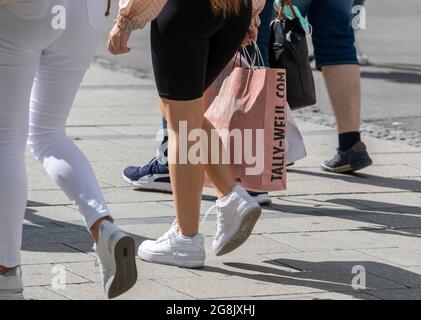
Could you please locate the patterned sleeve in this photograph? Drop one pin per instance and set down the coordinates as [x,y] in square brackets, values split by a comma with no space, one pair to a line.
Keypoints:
[258,6]
[135,14]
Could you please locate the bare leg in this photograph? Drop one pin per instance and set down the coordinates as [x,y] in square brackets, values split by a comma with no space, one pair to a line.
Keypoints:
[187,179]
[344,88]
[220,174]
[95,227]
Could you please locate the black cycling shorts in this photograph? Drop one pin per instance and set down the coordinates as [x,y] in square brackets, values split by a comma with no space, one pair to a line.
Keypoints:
[191,46]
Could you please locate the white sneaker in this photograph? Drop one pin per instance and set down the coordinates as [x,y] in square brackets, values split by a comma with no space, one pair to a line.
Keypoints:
[261,198]
[237,213]
[116,253]
[11,286]
[174,249]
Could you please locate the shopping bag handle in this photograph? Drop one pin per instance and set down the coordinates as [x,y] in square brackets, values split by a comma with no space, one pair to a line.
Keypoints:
[236,57]
[255,61]
[258,56]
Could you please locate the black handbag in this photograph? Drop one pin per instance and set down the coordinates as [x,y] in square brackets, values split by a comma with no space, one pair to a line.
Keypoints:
[288,50]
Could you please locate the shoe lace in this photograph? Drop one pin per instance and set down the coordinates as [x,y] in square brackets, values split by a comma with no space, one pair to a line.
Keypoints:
[153,167]
[173,229]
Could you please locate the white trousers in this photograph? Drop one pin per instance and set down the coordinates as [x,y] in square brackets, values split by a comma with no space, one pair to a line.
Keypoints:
[41,68]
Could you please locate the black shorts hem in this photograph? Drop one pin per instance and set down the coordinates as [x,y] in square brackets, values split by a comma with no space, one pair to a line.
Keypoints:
[179,98]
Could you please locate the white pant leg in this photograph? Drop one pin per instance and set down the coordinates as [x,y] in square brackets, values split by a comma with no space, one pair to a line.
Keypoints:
[63,66]
[24,32]
[27,40]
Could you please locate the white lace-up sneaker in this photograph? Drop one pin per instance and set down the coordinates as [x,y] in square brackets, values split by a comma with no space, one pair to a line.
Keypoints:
[116,253]
[237,214]
[175,249]
[11,287]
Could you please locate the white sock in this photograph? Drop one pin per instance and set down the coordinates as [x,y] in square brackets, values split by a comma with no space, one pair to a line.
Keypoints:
[182,236]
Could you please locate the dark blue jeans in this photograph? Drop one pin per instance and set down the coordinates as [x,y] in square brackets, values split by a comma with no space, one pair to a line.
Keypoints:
[162,152]
[333,36]
[266,17]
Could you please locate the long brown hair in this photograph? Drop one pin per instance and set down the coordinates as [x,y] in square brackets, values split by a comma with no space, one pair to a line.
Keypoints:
[226,7]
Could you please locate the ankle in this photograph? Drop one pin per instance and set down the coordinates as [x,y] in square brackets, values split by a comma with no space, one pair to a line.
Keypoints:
[348,139]
[5,269]
[186,237]
[222,195]
[95,227]
[187,233]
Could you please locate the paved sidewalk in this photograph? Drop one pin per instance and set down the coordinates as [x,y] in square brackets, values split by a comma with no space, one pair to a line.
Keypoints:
[305,246]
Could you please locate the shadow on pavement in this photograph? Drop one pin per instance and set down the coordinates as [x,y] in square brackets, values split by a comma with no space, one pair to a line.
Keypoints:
[366,179]
[329,276]
[394,72]
[397,77]
[398,66]
[56,232]
[401,221]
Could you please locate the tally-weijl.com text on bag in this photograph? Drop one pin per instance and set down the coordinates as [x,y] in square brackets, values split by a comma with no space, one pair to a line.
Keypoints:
[252,102]
[295,147]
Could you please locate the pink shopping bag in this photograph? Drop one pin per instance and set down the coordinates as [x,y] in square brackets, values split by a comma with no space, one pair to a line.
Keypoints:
[248,108]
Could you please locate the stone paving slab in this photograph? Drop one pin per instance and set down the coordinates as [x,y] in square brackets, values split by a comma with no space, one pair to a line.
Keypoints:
[226,267]
[314,223]
[89,271]
[258,244]
[45,236]
[400,256]
[234,286]
[144,290]
[385,171]
[332,240]
[347,185]
[43,198]
[406,238]
[381,201]
[352,295]
[397,294]
[267,281]
[99,77]
[149,130]
[146,209]
[333,216]
[47,214]
[39,254]
[39,276]
[42,293]
[411,159]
